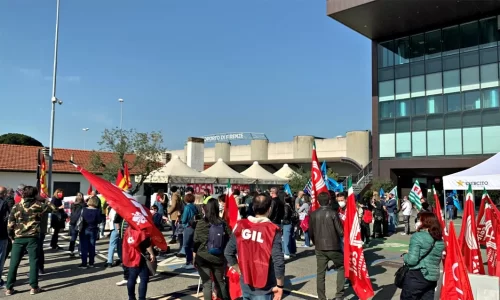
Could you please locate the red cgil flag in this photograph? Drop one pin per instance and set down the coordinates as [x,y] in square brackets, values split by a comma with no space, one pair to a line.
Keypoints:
[456,284]
[136,214]
[439,214]
[468,237]
[490,233]
[318,184]
[481,220]
[354,258]
[89,191]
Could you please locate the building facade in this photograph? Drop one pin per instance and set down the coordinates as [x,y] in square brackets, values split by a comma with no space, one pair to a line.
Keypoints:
[435,82]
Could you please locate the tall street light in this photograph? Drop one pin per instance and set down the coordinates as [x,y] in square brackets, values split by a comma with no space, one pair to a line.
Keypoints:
[84,136]
[54,100]
[121,113]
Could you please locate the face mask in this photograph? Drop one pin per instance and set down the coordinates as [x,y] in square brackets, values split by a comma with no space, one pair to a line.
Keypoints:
[59,195]
[418,225]
[342,204]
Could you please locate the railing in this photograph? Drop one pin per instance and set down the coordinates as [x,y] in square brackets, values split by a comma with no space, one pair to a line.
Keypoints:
[358,177]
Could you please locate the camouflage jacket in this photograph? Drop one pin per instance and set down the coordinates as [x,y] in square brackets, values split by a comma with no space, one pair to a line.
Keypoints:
[26,216]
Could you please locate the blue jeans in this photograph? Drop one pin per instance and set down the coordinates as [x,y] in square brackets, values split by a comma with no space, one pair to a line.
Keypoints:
[87,239]
[73,236]
[307,240]
[188,243]
[3,253]
[141,272]
[113,244]
[449,209]
[247,296]
[288,241]
[392,222]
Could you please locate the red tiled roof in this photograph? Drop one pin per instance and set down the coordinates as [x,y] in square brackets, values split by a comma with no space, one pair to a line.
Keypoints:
[24,159]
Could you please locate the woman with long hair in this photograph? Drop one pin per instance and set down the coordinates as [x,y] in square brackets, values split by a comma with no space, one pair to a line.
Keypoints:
[76,210]
[423,258]
[209,252]
[57,219]
[303,212]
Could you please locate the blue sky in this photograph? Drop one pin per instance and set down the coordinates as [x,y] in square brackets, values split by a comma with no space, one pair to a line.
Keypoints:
[187,68]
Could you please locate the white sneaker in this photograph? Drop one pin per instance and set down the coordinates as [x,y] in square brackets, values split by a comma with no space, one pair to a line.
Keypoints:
[403,233]
[189,267]
[287,256]
[122,283]
[138,280]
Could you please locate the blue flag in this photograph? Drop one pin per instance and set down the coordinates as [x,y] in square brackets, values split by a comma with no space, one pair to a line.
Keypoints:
[288,189]
[381,193]
[455,200]
[325,177]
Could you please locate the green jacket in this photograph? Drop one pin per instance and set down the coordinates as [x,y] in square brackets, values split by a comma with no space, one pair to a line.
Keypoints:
[420,243]
[26,217]
[200,244]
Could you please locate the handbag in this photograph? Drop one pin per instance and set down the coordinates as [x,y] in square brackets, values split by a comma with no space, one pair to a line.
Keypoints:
[152,265]
[400,275]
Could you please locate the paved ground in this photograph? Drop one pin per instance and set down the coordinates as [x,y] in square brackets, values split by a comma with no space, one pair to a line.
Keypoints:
[64,280]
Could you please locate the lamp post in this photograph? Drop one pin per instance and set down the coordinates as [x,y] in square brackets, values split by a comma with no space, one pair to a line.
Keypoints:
[121,113]
[84,136]
[53,100]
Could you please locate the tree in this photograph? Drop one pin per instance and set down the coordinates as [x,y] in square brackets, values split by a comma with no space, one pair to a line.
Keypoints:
[19,139]
[377,184]
[298,181]
[146,148]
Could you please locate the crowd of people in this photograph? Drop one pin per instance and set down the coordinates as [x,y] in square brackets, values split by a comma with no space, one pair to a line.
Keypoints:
[257,248]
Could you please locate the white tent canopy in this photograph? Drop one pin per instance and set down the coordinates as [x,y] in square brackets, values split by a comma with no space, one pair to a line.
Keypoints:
[285,172]
[223,172]
[262,176]
[176,171]
[484,175]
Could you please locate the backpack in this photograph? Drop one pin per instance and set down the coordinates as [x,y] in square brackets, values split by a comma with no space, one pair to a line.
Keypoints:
[216,239]
[367,216]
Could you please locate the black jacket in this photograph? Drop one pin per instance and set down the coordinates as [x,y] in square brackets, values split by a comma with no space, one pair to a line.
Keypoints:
[325,229]
[287,216]
[277,210]
[201,234]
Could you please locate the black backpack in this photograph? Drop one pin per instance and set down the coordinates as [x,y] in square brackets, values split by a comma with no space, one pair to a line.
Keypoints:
[216,239]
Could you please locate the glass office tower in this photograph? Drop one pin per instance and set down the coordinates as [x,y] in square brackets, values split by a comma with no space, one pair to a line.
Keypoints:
[439,92]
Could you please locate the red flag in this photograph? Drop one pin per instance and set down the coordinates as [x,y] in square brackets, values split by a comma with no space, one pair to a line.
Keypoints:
[456,284]
[318,184]
[89,191]
[481,220]
[120,179]
[489,238]
[439,214]
[231,212]
[126,173]
[468,237]
[136,214]
[43,184]
[354,258]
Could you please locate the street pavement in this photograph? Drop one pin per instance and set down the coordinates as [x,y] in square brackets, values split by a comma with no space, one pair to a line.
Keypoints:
[63,280]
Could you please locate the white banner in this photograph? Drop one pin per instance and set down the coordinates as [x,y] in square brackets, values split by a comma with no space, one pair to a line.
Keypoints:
[478,183]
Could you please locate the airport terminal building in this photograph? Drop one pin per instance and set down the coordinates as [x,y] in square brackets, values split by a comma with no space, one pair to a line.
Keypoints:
[435,83]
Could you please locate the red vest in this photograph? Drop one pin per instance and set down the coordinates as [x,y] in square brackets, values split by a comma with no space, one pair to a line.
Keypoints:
[254,243]
[131,254]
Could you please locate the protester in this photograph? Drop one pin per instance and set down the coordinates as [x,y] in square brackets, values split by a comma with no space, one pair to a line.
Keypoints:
[24,229]
[406,208]
[290,218]
[391,206]
[254,251]
[4,236]
[187,223]
[157,217]
[137,248]
[450,206]
[58,218]
[174,210]
[303,212]
[91,218]
[114,239]
[76,211]
[326,231]
[277,207]
[365,219]
[424,259]
[379,216]
[210,239]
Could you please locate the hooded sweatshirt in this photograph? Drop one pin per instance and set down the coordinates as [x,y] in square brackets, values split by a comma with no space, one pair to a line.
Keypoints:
[26,216]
